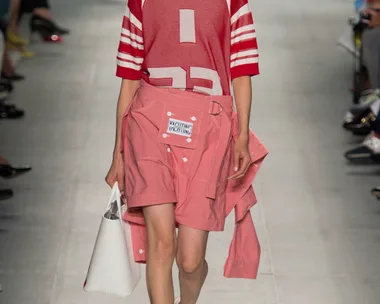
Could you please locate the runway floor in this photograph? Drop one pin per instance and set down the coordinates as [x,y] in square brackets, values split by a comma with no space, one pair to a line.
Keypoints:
[317,222]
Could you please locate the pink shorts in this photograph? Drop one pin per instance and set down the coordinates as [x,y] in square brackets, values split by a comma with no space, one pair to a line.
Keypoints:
[176,147]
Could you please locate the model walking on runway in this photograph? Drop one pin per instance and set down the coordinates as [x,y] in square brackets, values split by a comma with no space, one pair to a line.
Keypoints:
[183,157]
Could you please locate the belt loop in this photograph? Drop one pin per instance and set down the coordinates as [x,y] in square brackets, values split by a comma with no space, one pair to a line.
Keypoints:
[211,108]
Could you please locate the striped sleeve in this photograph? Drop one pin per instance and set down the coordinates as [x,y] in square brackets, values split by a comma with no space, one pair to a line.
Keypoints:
[244,53]
[130,54]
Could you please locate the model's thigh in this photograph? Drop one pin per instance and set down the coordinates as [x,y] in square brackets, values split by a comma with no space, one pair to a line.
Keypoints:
[160,225]
[191,250]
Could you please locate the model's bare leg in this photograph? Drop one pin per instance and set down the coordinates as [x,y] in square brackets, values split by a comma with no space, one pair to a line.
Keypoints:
[160,225]
[13,14]
[3,161]
[7,68]
[191,262]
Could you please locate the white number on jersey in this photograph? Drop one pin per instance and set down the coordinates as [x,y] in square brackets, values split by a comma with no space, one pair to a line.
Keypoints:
[178,74]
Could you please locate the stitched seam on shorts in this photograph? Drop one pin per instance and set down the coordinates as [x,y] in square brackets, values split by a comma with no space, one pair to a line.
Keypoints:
[145,197]
[207,222]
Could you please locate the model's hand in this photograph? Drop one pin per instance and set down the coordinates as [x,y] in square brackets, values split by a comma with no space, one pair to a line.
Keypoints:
[116,173]
[242,158]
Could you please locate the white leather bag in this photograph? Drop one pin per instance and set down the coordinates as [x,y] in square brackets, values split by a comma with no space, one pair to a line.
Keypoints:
[112,268]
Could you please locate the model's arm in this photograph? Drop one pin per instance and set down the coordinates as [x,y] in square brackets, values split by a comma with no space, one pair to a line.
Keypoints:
[243,95]
[116,172]
[244,64]
[127,91]
[130,57]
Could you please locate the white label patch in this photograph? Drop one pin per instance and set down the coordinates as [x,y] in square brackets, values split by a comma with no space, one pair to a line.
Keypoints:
[180,127]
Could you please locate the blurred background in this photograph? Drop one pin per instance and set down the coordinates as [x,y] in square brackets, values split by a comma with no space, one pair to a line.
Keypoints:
[315,106]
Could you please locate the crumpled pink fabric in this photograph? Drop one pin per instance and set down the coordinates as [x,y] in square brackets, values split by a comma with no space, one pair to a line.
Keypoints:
[244,253]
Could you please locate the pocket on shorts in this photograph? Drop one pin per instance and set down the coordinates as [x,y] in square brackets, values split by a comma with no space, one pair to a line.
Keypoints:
[180,127]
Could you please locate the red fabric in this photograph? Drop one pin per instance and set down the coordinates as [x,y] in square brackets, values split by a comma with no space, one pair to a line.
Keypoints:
[224,45]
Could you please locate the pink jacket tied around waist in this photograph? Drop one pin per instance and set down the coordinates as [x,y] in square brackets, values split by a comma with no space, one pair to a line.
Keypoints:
[244,252]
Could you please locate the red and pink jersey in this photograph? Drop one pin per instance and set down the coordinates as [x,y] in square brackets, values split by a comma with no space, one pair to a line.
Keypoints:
[198,45]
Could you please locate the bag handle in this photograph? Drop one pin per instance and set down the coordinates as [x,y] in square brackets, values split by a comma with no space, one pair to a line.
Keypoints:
[116,193]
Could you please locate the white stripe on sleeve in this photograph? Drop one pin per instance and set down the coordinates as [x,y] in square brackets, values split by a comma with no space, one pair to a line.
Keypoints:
[244,61]
[244,54]
[136,22]
[137,60]
[243,37]
[242,11]
[130,65]
[246,28]
[134,44]
[133,36]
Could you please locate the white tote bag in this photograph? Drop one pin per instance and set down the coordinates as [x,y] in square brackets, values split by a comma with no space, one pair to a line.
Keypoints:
[112,268]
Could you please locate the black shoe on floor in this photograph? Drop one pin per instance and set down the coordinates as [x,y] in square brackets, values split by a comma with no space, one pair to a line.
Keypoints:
[13,77]
[5,194]
[362,129]
[361,124]
[10,112]
[354,117]
[376,157]
[376,192]
[365,152]
[8,105]
[6,85]
[8,171]
[38,24]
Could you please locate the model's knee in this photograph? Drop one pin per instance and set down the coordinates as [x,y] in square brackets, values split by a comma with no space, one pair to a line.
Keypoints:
[189,264]
[163,249]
